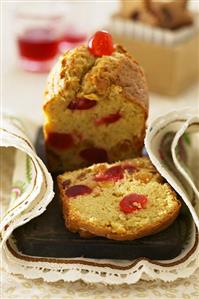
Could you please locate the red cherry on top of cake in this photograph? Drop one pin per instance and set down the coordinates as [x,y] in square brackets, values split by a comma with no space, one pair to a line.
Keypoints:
[101,43]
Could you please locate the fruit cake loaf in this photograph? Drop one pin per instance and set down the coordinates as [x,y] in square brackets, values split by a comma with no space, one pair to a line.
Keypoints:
[123,201]
[96,106]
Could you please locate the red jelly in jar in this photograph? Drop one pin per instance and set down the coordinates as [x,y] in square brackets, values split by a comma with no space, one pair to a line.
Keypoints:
[37,48]
[72,37]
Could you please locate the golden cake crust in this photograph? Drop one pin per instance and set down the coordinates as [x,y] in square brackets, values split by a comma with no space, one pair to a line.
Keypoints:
[146,175]
[87,231]
[81,74]
[117,85]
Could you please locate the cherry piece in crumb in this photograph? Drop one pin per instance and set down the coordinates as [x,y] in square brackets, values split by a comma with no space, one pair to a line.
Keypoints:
[101,43]
[111,118]
[94,155]
[129,167]
[77,190]
[81,104]
[113,173]
[66,183]
[60,141]
[133,202]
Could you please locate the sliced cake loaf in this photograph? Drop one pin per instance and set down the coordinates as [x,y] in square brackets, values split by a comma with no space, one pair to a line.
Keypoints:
[122,201]
[96,109]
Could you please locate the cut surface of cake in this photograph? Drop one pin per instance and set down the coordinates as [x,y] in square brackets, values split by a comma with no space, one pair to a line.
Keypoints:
[122,201]
[95,110]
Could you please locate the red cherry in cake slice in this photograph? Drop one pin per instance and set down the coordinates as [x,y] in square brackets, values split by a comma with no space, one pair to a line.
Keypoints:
[133,202]
[77,190]
[81,104]
[94,155]
[60,141]
[101,43]
[129,167]
[66,183]
[113,173]
[109,119]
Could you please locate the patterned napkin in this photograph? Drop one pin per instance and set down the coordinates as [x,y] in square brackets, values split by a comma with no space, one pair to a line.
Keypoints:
[171,143]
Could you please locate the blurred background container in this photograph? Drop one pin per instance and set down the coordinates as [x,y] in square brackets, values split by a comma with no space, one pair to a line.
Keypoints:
[38,32]
[166,47]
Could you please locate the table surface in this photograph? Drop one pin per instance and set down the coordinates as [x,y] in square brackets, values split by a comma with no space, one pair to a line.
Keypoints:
[22,95]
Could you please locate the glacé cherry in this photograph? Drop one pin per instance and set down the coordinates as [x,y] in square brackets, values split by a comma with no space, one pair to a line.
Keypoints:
[77,190]
[133,202]
[101,44]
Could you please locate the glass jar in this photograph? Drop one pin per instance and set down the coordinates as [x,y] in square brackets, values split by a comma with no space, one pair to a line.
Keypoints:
[39,30]
[73,36]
